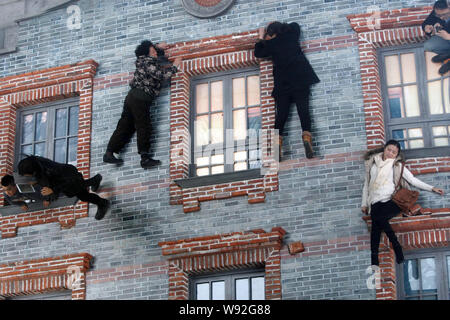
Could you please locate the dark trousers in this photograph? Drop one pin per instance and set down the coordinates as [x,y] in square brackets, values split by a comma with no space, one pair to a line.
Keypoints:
[283,103]
[135,118]
[89,197]
[79,189]
[381,213]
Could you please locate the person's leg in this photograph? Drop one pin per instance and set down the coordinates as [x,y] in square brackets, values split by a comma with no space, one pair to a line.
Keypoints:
[302,102]
[437,45]
[102,204]
[123,133]
[375,236]
[282,107]
[94,182]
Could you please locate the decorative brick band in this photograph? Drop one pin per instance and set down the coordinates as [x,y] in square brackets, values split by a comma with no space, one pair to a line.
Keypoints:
[37,87]
[224,252]
[45,275]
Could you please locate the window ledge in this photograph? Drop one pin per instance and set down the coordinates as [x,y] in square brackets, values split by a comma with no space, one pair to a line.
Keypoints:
[7,50]
[13,210]
[219,178]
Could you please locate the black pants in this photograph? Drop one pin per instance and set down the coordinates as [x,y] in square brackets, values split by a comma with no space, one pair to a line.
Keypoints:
[90,197]
[381,213]
[78,187]
[283,103]
[135,118]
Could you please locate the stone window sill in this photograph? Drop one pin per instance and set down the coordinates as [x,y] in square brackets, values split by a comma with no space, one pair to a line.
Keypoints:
[12,210]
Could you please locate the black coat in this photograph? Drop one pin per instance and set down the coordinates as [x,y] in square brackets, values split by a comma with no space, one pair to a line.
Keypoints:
[60,177]
[291,69]
[432,20]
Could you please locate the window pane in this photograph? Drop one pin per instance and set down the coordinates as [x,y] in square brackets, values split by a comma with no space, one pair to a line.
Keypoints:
[253,90]
[429,298]
[239,125]
[254,121]
[203,291]
[238,92]
[26,150]
[240,166]
[240,156]
[217,159]
[73,121]
[415,133]
[41,126]
[441,132]
[408,67]
[39,149]
[202,172]
[201,98]
[392,70]
[396,103]
[258,291]
[216,96]
[428,275]
[447,95]
[217,169]
[218,290]
[217,128]
[242,290]
[202,131]
[27,128]
[435,97]
[73,150]
[60,151]
[201,162]
[415,144]
[61,123]
[411,101]
[432,68]
[411,277]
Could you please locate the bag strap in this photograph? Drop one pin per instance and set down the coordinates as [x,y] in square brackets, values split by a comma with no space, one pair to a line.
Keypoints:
[400,178]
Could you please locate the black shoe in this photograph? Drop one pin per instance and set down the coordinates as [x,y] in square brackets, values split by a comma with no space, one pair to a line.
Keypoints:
[440,58]
[97,179]
[374,259]
[445,68]
[102,209]
[147,163]
[108,157]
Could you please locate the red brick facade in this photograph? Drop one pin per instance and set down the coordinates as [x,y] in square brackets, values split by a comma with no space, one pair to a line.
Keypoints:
[225,252]
[21,91]
[46,275]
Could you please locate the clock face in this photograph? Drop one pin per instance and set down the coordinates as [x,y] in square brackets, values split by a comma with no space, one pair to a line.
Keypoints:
[206,8]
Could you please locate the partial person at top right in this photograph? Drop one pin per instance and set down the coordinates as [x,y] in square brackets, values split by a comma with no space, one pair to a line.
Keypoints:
[437,25]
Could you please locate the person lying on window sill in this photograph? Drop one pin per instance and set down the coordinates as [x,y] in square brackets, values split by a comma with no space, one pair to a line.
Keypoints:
[14,197]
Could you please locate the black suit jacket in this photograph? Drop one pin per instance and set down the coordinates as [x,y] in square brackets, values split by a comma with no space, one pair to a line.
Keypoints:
[291,69]
[432,20]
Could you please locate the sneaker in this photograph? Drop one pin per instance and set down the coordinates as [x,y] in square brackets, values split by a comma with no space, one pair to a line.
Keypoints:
[147,163]
[445,67]
[102,209]
[440,58]
[108,157]
[97,179]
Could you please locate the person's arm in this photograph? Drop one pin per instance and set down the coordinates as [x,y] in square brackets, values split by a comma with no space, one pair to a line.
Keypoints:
[18,203]
[408,176]
[365,196]
[428,24]
[171,70]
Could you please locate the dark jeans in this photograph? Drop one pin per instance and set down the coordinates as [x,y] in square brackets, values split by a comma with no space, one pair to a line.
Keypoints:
[135,117]
[283,103]
[437,45]
[90,197]
[381,213]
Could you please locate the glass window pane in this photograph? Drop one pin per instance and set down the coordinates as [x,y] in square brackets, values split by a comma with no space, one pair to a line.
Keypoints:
[258,291]
[253,90]
[439,131]
[201,98]
[218,290]
[428,275]
[239,125]
[411,101]
[447,95]
[240,156]
[254,121]
[203,291]
[217,96]
[61,123]
[240,166]
[217,128]
[440,142]
[432,68]
[411,277]
[39,149]
[429,298]
[238,92]
[392,70]
[396,103]
[415,144]
[408,67]
[41,126]
[203,161]
[242,289]
[60,151]
[202,131]
[203,172]
[217,159]
[26,150]
[255,164]
[415,133]
[217,169]
[27,128]
[435,97]
[73,142]
[73,121]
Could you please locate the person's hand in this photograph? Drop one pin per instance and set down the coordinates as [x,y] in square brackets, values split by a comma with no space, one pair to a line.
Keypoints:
[46,191]
[261,33]
[364,210]
[439,191]
[46,203]
[24,207]
[177,62]
[429,28]
[443,34]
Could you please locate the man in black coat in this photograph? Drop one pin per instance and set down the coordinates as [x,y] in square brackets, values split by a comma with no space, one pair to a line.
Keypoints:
[437,25]
[56,178]
[292,73]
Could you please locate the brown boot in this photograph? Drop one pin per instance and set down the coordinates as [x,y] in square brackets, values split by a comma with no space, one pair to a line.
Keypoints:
[307,143]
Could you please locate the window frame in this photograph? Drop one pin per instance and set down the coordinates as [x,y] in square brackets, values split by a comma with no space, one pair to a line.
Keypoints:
[227,78]
[50,108]
[229,278]
[442,279]
[425,120]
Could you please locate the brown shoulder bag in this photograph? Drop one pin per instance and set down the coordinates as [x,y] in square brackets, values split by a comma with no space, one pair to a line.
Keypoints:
[406,199]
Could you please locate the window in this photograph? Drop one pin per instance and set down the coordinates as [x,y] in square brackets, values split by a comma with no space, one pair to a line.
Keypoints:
[53,295]
[416,101]
[50,131]
[225,123]
[229,286]
[425,276]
